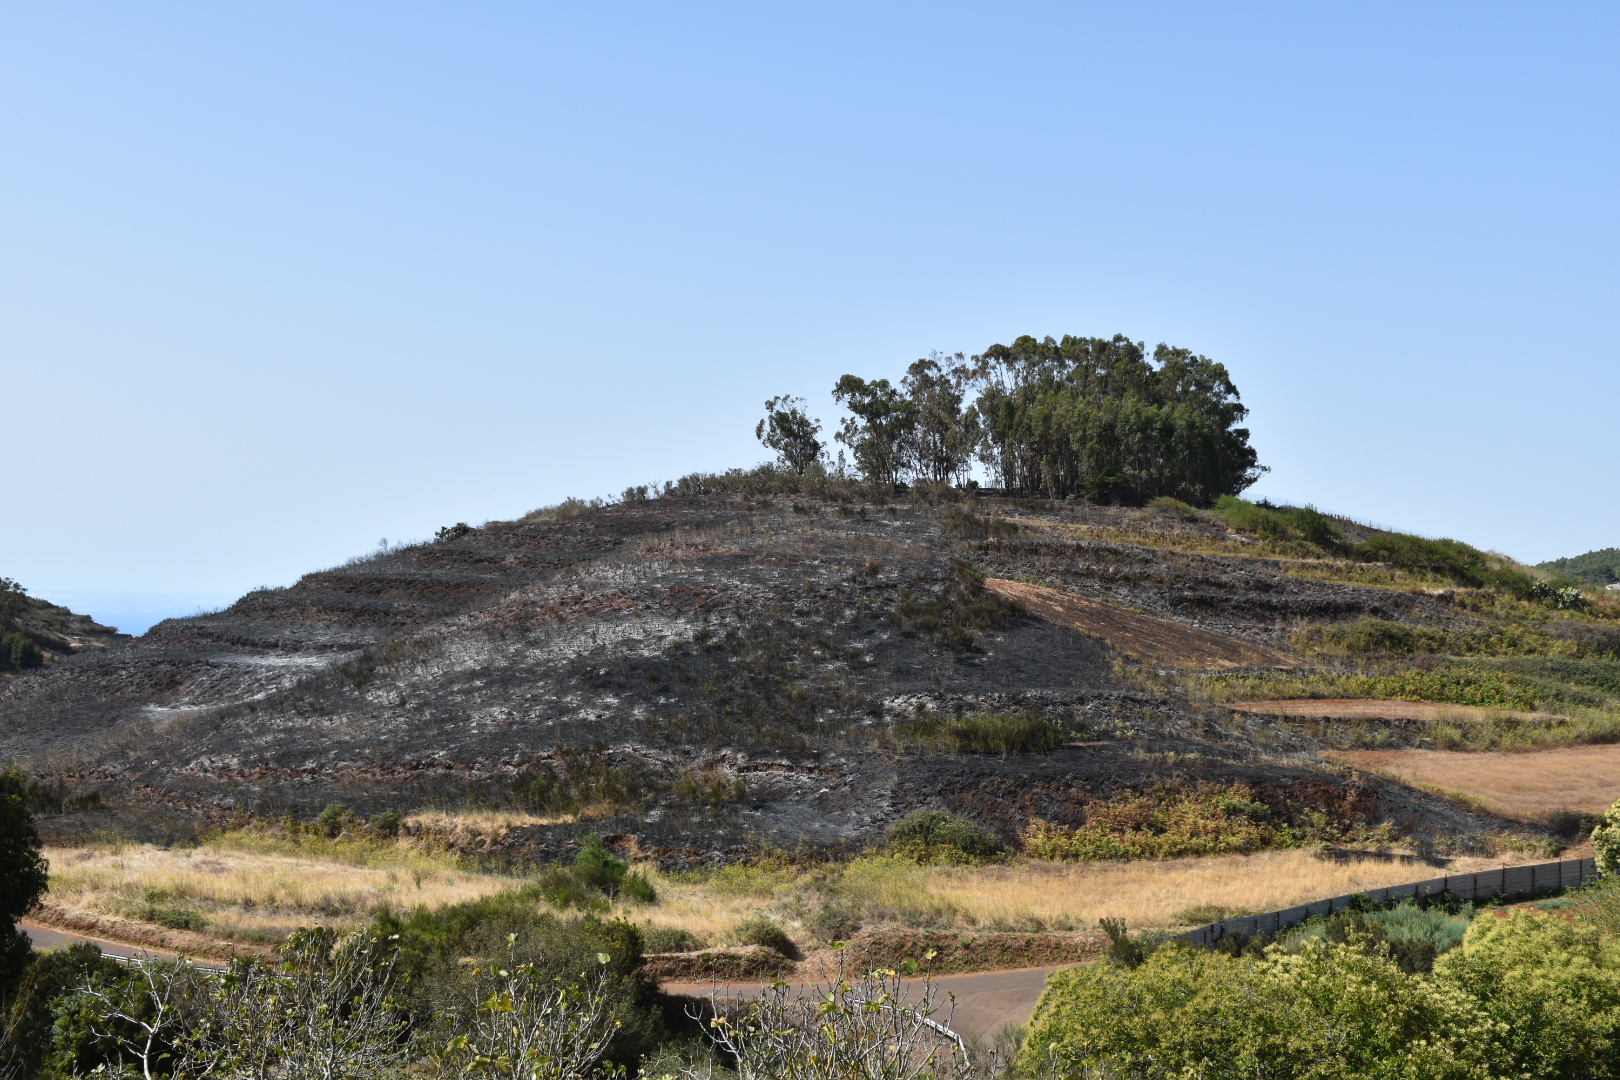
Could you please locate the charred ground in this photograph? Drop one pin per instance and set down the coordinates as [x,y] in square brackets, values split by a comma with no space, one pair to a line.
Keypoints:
[708,675]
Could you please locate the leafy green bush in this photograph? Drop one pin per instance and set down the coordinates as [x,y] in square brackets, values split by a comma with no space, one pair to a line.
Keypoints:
[1331,1012]
[668,939]
[1175,508]
[596,877]
[981,733]
[1298,523]
[434,945]
[1551,989]
[1606,841]
[759,930]
[933,836]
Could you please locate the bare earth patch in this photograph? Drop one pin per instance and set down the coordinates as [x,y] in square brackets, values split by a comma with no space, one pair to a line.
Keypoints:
[1526,785]
[1153,639]
[1365,708]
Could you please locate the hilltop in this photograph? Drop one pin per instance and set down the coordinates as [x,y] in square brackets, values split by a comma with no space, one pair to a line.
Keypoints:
[35,632]
[1595,568]
[767,660]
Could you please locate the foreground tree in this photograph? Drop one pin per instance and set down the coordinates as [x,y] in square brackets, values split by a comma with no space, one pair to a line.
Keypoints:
[850,1027]
[24,875]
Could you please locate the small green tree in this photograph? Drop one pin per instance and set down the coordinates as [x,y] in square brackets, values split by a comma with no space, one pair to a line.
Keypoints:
[1606,840]
[23,874]
[788,430]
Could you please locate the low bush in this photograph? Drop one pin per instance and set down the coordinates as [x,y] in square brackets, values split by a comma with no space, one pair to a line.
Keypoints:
[1172,821]
[1305,524]
[1330,1012]
[670,939]
[981,733]
[760,930]
[596,877]
[434,947]
[933,836]
[575,779]
[1175,508]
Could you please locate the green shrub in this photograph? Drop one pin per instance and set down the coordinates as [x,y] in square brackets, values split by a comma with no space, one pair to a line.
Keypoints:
[18,651]
[1606,841]
[1552,989]
[1305,523]
[1331,1012]
[668,939]
[759,930]
[435,945]
[933,836]
[1175,508]
[980,733]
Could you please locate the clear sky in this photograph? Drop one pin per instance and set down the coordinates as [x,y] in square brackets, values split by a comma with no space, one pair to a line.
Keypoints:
[278,280]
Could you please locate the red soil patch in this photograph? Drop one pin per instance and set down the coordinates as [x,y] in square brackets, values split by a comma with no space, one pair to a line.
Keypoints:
[1153,639]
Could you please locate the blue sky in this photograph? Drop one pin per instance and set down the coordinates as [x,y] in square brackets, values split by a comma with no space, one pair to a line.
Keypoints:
[277,281]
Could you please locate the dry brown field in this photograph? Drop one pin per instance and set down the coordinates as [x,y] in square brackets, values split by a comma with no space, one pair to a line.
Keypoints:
[1525,785]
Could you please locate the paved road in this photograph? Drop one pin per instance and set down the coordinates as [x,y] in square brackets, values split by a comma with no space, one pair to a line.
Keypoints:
[44,937]
[985,1000]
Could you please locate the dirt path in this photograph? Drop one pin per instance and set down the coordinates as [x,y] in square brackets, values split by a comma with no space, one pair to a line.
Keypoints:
[1154,639]
[985,1000]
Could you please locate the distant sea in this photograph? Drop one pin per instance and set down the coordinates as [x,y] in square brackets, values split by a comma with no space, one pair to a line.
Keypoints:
[134,613]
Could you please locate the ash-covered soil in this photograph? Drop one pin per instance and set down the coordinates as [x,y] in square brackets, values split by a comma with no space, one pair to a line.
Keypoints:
[701,675]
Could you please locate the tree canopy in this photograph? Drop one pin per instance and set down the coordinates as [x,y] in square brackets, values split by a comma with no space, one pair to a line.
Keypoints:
[1089,417]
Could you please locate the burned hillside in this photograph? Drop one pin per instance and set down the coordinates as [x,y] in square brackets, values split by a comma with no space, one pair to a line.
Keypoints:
[715,673]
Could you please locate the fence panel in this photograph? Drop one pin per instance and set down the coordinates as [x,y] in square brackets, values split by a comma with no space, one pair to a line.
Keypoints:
[1504,881]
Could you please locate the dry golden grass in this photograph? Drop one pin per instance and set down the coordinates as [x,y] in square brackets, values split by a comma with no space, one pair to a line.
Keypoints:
[1526,785]
[253,894]
[1028,895]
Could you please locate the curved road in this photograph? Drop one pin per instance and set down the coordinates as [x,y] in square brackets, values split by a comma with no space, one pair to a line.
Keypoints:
[985,1000]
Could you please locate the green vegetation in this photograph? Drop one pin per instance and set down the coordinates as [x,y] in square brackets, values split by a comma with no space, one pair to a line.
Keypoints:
[23,875]
[1174,821]
[935,837]
[18,650]
[791,433]
[596,877]
[1606,841]
[1531,995]
[1595,568]
[980,733]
